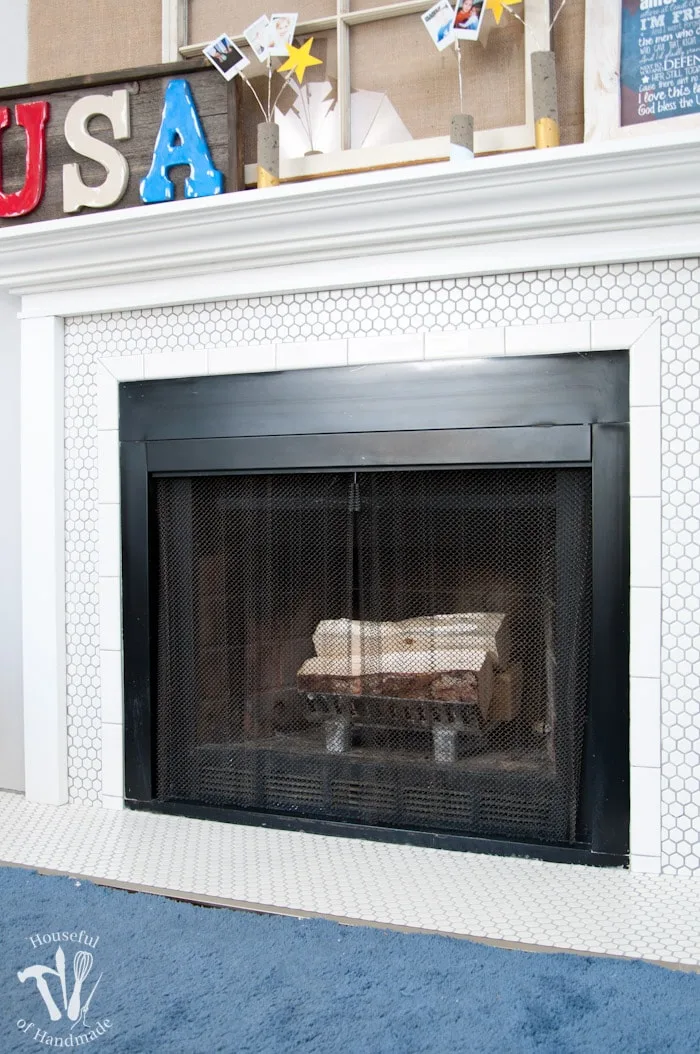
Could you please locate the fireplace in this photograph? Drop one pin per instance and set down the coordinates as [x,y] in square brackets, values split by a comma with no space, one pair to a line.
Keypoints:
[389,602]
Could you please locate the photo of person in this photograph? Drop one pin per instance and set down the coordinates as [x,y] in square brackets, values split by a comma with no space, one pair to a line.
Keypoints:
[467,19]
[226,57]
[439,23]
[282,32]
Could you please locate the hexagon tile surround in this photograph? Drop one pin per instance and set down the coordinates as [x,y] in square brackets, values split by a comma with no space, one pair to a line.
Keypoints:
[668,290]
[601,910]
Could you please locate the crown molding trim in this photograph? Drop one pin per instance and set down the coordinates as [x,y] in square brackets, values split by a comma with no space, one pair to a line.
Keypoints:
[571,206]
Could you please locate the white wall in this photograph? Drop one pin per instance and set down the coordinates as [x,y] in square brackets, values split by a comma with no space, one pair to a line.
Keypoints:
[13,42]
[14,54]
[11,721]
[13,70]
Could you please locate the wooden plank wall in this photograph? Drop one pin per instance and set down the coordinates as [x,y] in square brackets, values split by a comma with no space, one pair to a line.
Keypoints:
[216,104]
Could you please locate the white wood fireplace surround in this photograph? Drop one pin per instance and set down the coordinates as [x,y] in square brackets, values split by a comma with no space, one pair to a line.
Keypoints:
[576,211]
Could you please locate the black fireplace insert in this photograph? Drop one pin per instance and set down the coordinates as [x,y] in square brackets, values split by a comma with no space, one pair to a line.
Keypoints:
[388,602]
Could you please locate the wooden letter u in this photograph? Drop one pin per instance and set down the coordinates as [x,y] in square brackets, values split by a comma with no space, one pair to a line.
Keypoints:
[32,116]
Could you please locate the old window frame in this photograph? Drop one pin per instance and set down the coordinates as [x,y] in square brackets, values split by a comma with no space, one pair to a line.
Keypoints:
[602,81]
[174,28]
[489,141]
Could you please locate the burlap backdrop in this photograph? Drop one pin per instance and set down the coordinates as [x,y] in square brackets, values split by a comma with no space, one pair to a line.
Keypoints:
[72,37]
[395,56]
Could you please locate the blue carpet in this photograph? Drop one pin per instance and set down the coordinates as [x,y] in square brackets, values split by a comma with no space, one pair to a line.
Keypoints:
[189,980]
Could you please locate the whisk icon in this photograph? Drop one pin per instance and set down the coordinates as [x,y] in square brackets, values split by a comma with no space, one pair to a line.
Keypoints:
[82,964]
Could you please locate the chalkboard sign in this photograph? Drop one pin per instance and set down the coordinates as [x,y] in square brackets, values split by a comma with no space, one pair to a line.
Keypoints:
[659,60]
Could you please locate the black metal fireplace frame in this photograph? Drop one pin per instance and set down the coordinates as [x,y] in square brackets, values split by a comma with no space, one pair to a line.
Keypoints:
[543,411]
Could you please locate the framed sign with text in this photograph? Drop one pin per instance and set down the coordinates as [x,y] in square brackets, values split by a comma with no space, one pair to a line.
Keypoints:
[642,73]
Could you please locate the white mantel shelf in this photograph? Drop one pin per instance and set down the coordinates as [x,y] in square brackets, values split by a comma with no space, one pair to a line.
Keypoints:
[569,206]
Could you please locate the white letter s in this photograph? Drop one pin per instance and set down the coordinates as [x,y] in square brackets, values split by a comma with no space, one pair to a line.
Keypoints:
[116,108]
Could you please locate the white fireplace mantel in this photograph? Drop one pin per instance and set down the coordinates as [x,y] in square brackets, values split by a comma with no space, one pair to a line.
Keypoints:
[572,206]
[569,207]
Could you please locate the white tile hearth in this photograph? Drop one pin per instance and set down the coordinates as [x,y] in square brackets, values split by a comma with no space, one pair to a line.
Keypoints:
[584,909]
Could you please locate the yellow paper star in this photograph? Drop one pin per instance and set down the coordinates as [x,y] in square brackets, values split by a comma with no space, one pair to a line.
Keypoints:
[497,7]
[299,59]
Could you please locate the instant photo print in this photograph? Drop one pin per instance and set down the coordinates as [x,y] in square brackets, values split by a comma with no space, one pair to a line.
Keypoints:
[439,23]
[468,16]
[259,35]
[226,57]
[282,26]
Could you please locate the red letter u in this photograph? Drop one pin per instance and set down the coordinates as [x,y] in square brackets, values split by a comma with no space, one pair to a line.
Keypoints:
[32,116]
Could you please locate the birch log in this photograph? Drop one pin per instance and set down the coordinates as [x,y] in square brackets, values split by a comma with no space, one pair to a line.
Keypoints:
[466,632]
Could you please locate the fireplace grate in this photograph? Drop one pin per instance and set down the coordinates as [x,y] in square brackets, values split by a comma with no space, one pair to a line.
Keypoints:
[396,648]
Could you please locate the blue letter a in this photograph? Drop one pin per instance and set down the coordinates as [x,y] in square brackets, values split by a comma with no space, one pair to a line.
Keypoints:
[180,141]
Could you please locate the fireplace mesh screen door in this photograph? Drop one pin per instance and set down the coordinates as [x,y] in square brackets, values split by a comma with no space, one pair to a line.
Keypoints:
[405,649]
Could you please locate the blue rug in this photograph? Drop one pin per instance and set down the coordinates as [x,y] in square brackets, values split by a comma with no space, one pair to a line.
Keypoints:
[139,974]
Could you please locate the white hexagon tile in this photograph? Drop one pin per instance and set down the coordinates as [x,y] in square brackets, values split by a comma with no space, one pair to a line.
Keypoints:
[587,909]
[667,290]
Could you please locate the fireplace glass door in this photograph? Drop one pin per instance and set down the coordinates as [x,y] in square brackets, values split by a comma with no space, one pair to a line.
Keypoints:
[395,648]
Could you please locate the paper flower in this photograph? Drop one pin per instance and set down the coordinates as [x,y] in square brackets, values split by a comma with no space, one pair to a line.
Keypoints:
[299,59]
